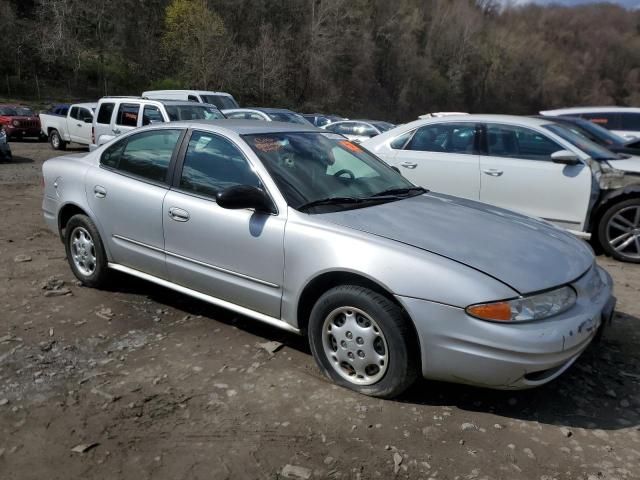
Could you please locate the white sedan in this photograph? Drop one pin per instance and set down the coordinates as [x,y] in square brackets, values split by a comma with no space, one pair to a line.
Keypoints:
[534,166]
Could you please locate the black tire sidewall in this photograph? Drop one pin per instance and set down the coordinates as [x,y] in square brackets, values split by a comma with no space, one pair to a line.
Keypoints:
[402,363]
[61,144]
[602,228]
[100,275]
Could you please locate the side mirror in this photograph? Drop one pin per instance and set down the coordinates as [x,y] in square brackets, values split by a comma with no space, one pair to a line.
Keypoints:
[244,196]
[565,157]
[88,120]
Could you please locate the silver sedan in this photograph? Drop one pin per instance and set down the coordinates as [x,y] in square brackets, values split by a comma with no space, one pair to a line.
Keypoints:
[309,232]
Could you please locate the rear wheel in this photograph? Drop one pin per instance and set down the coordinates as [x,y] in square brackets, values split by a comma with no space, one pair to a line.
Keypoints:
[56,141]
[619,230]
[362,340]
[85,251]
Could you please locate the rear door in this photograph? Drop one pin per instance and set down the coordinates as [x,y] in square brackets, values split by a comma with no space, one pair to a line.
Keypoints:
[442,157]
[103,121]
[518,174]
[125,193]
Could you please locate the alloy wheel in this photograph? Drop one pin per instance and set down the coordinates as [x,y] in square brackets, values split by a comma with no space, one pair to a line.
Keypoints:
[623,232]
[83,252]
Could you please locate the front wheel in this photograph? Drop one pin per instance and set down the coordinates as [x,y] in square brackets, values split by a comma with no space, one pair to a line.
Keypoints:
[363,341]
[85,251]
[619,231]
[56,141]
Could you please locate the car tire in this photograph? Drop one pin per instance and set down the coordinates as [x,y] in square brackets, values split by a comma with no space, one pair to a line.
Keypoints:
[618,226]
[363,341]
[85,252]
[56,141]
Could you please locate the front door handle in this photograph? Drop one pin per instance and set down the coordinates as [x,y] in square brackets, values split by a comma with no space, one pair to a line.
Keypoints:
[410,165]
[79,124]
[99,191]
[494,172]
[178,214]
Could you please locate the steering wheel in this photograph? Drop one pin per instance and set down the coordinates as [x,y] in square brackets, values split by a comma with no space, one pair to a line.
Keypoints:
[345,171]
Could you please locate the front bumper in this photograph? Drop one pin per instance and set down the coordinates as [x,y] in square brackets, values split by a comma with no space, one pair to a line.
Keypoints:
[459,348]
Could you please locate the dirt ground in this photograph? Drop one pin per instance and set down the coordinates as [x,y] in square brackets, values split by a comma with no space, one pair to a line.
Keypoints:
[146,383]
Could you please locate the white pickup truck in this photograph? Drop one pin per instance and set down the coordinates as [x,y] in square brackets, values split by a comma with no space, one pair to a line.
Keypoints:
[74,127]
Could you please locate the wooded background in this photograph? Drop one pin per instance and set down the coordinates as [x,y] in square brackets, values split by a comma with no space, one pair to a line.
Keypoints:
[390,60]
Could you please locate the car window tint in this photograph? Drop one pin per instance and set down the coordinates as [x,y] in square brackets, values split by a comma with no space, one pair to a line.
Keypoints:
[192,98]
[630,121]
[519,142]
[236,115]
[84,114]
[74,113]
[150,114]
[253,116]
[401,141]
[364,130]
[128,115]
[444,137]
[212,164]
[145,154]
[341,128]
[608,120]
[104,113]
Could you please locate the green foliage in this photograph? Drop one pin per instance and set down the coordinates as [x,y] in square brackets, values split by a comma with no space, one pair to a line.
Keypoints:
[374,58]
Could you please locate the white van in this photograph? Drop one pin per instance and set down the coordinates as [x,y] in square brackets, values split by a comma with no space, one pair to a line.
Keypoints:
[222,100]
[117,115]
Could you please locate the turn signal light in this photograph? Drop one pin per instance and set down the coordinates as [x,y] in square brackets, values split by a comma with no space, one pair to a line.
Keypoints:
[500,311]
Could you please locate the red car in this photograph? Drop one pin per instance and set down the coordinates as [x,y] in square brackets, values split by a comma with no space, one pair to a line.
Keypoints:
[19,121]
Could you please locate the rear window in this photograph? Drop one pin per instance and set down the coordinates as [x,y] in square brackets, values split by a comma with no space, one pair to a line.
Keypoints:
[608,120]
[105,111]
[220,101]
[128,115]
[192,112]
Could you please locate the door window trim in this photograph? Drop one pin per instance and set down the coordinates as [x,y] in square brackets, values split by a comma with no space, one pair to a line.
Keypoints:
[476,140]
[166,184]
[182,152]
[484,151]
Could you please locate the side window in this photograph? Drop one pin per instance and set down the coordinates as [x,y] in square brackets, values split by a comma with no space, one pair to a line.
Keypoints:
[128,115]
[145,155]
[212,164]
[519,142]
[74,113]
[85,115]
[604,119]
[235,115]
[253,116]
[401,141]
[151,114]
[364,130]
[342,128]
[444,137]
[104,113]
[193,98]
[630,121]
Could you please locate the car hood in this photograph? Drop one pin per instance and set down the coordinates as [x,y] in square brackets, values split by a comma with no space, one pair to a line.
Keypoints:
[631,164]
[524,253]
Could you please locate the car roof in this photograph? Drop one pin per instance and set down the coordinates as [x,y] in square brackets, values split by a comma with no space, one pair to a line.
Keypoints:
[198,92]
[85,105]
[481,117]
[611,109]
[248,127]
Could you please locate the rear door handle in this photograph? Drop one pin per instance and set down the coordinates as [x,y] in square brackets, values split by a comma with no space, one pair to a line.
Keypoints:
[494,172]
[410,165]
[99,192]
[178,214]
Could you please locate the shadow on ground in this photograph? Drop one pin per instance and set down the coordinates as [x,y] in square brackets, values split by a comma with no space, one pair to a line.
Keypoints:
[600,391]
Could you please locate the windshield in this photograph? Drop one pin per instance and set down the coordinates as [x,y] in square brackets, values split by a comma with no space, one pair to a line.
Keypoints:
[24,111]
[220,101]
[604,136]
[192,112]
[8,111]
[311,167]
[289,117]
[592,149]
[383,126]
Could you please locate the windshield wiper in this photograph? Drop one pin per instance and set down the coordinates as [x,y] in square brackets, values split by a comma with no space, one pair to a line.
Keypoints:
[401,191]
[330,201]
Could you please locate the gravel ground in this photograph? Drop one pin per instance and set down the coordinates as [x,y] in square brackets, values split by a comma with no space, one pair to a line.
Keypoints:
[139,382]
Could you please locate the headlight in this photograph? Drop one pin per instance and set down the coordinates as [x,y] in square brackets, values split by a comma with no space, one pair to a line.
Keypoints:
[524,309]
[16,123]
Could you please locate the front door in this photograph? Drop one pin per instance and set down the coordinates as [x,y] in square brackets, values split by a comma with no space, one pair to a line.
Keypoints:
[233,255]
[442,157]
[79,128]
[518,174]
[126,193]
